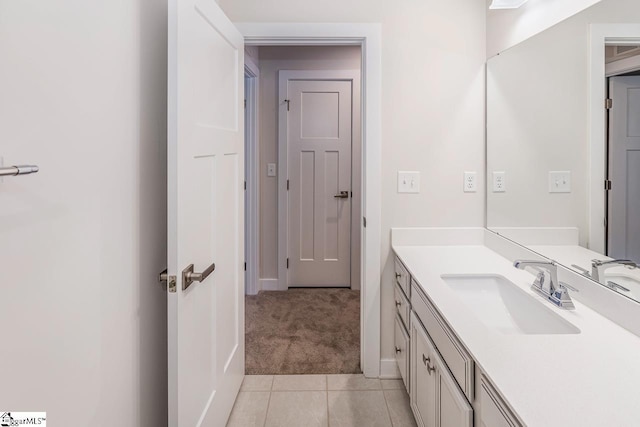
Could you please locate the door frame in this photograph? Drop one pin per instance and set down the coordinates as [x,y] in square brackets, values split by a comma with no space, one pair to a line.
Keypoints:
[252,173]
[284,76]
[601,35]
[368,36]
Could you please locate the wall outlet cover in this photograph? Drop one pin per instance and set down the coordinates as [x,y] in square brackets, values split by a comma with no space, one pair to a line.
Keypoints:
[408,182]
[271,169]
[499,182]
[469,182]
[559,182]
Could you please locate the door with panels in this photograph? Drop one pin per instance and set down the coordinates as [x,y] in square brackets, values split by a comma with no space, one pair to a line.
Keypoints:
[319,143]
[205,214]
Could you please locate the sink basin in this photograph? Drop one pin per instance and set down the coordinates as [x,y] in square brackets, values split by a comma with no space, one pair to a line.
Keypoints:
[629,282]
[503,306]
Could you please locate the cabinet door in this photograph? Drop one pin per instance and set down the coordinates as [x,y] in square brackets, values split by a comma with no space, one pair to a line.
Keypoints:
[402,350]
[452,407]
[423,377]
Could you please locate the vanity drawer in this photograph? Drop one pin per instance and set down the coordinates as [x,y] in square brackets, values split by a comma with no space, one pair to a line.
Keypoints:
[403,307]
[402,277]
[493,411]
[455,356]
[402,350]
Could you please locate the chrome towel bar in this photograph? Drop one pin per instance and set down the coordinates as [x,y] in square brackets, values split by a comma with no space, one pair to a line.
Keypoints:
[18,170]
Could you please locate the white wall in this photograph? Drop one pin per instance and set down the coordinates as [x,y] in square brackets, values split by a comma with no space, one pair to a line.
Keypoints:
[508,27]
[83,320]
[433,57]
[538,121]
[273,59]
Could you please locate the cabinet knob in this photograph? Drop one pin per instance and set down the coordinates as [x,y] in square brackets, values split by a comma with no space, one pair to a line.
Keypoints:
[398,350]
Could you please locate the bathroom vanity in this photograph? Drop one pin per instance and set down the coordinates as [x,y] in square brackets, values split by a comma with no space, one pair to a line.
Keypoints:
[476,346]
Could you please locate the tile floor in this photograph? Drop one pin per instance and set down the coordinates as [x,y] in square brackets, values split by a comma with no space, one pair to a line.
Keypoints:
[321,400]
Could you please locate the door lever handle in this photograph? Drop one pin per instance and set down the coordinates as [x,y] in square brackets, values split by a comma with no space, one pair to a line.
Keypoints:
[188,275]
[342,195]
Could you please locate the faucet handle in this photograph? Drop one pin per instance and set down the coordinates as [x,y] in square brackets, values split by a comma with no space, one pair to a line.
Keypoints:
[566,285]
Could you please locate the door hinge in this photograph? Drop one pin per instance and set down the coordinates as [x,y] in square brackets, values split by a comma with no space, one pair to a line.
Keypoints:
[287,185]
[364,221]
[288,101]
[608,103]
[287,262]
[245,184]
[605,223]
[245,266]
[168,281]
[607,184]
[245,104]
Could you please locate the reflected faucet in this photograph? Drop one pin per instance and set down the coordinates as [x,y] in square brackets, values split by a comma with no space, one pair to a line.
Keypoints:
[547,283]
[598,267]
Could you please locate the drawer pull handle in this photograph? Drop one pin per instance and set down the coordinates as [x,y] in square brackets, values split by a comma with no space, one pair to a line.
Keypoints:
[398,275]
[430,369]
[398,303]
[425,360]
[398,350]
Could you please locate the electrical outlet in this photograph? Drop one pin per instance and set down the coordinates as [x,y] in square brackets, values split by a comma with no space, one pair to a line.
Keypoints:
[499,182]
[559,182]
[469,182]
[271,169]
[408,182]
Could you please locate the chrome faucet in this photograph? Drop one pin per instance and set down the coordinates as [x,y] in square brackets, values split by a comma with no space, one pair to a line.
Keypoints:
[598,267]
[547,283]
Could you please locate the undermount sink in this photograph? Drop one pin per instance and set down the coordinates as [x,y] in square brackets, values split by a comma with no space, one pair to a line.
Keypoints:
[503,306]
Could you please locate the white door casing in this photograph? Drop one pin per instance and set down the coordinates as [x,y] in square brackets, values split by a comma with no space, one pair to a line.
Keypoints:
[205,213]
[624,169]
[319,143]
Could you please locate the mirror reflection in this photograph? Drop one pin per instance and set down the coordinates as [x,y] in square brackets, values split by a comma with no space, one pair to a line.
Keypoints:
[563,144]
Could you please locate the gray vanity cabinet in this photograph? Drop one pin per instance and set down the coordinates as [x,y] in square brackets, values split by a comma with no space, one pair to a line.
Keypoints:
[436,399]
[401,327]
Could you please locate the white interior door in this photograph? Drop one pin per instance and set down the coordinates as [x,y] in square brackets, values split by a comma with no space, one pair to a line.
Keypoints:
[624,169]
[205,213]
[319,138]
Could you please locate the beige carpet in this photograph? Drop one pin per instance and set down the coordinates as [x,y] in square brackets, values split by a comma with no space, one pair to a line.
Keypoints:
[303,331]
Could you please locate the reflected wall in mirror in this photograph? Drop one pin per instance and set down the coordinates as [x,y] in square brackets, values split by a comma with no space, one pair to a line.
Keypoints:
[552,143]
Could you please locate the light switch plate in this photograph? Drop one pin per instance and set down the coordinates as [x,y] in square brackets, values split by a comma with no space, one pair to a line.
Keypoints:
[408,182]
[271,169]
[469,182]
[499,182]
[559,182]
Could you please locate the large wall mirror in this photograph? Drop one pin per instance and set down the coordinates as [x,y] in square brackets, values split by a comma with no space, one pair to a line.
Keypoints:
[563,163]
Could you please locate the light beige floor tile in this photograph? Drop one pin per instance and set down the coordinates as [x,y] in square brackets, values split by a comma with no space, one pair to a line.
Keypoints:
[352,382]
[250,409]
[257,383]
[297,409]
[358,409]
[299,382]
[392,384]
[399,408]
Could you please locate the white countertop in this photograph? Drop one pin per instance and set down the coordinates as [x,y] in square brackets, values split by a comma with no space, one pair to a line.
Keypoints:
[587,379]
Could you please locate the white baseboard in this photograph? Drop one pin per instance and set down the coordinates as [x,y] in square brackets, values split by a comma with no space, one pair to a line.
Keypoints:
[389,369]
[268,285]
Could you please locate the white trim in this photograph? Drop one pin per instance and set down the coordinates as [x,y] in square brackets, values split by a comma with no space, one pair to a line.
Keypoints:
[268,285]
[252,156]
[389,369]
[601,35]
[284,76]
[622,66]
[369,37]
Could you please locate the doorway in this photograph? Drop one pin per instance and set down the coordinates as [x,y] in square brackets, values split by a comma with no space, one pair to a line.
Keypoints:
[309,146]
[623,152]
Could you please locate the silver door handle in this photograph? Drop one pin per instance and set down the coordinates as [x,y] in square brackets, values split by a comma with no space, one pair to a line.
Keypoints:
[342,195]
[188,276]
[18,170]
